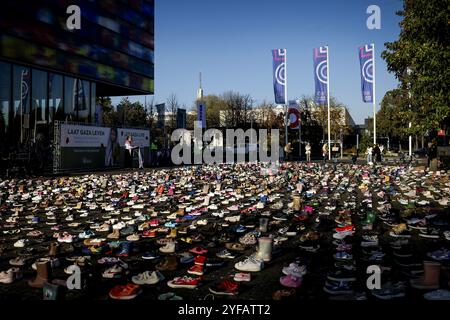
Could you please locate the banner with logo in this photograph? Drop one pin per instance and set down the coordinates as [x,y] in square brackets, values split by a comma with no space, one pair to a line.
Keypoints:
[83,147]
[201,114]
[87,147]
[294,115]
[279,75]
[141,137]
[366,72]
[83,136]
[320,74]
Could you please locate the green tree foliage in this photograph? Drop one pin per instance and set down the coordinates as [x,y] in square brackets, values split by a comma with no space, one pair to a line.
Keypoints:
[423,49]
[392,118]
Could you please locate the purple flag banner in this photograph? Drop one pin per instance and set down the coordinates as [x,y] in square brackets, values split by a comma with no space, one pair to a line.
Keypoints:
[320,74]
[366,63]
[279,75]
[201,114]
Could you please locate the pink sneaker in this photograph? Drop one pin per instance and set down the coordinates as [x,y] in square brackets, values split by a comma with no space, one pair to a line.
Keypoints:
[290,281]
[242,276]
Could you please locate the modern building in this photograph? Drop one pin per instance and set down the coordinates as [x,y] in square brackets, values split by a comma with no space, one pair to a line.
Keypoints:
[49,72]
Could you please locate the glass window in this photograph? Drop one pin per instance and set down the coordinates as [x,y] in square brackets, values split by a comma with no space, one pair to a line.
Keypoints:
[5,95]
[69,99]
[21,102]
[83,100]
[56,108]
[39,101]
[94,104]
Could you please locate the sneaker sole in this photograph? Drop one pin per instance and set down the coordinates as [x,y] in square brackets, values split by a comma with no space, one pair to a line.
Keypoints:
[222,293]
[349,279]
[185,286]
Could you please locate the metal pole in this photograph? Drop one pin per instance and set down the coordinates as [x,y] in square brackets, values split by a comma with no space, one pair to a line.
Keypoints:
[285,97]
[300,140]
[357,142]
[408,70]
[328,102]
[374,99]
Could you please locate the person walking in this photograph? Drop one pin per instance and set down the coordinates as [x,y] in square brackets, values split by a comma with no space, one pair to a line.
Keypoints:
[308,152]
[288,151]
[376,154]
[369,151]
[325,152]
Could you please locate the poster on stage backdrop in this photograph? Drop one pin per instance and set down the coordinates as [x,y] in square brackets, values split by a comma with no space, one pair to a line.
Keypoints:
[141,137]
[84,147]
[76,136]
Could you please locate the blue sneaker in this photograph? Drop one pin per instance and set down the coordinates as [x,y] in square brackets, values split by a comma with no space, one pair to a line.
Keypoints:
[149,256]
[170,224]
[240,229]
[186,257]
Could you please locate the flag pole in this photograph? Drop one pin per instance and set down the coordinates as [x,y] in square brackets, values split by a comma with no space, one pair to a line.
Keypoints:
[328,102]
[285,98]
[21,107]
[374,99]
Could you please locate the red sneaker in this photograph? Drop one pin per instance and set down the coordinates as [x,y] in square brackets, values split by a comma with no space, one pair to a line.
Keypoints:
[149,234]
[346,228]
[226,287]
[127,292]
[198,250]
[200,260]
[197,269]
[184,282]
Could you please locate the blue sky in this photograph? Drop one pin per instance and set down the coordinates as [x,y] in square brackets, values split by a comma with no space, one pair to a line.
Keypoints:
[230,42]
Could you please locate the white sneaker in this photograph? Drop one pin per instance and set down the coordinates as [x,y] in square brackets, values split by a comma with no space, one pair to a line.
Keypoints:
[10,275]
[250,264]
[21,243]
[148,277]
[168,248]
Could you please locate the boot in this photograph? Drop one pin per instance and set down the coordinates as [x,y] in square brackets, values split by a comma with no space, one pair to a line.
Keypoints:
[168,264]
[181,210]
[206,201]
[173,233]
[54,249]
[43,273]
[264,252]
[297,203]
[114,235]
[430,279]
[205,189]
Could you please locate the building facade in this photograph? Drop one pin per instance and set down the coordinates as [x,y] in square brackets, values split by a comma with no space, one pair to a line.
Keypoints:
[49,72]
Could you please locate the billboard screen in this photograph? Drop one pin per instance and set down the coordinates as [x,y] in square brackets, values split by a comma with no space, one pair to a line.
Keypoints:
[115,42]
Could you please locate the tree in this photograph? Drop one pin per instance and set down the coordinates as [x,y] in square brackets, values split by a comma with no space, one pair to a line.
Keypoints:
[420,59]
[392,118]
[110,115]
[319,115]
[172,106]
[237,109]
[132,113]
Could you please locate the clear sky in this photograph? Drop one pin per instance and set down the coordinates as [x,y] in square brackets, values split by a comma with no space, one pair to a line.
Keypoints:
[230,42]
